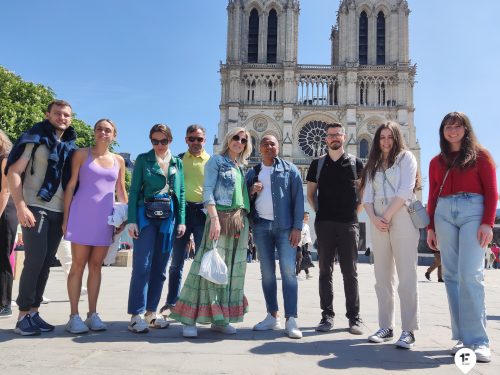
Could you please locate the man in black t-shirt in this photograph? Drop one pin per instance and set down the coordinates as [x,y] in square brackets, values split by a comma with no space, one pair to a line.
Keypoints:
[334,198]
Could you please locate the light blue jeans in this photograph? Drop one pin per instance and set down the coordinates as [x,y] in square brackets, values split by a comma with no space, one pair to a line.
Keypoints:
[267,240]
[457,219]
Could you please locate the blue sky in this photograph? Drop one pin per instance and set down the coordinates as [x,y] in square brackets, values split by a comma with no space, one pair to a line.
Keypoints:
[140,63]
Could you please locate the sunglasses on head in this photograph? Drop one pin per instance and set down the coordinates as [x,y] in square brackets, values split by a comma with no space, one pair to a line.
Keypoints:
[199,139]
[156,142]
[237,138]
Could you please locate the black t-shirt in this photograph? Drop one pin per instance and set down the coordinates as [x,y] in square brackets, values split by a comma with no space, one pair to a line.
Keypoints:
[336,189]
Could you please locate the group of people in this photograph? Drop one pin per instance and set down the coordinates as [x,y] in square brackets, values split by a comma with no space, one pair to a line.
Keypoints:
[61,191]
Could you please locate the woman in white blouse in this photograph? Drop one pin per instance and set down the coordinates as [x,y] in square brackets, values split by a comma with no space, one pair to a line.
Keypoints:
[388,183]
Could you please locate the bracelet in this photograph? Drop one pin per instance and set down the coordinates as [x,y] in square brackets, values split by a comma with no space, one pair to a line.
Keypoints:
[214,217]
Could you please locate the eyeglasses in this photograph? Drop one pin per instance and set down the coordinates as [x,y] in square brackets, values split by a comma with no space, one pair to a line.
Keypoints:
[336,135]
[156,142]
[193,139]
[237,138]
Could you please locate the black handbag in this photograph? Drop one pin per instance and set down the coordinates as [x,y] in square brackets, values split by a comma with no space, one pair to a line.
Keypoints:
[158,208]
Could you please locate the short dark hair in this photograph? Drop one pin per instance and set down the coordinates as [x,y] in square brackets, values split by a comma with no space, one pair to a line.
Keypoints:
[161,128]
[58,103]
[335,125]
[195,127]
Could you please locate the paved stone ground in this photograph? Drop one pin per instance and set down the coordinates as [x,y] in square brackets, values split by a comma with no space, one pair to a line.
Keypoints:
[247,352]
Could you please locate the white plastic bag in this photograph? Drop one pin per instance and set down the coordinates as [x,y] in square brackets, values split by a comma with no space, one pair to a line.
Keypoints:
[213,267]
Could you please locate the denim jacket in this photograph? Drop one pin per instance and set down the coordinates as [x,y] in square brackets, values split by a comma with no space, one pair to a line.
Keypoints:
[218,187]
[287,193]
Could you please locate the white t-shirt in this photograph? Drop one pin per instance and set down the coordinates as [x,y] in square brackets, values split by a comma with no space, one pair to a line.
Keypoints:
[264,201]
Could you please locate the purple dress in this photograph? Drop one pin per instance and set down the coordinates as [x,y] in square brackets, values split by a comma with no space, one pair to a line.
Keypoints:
[92,204]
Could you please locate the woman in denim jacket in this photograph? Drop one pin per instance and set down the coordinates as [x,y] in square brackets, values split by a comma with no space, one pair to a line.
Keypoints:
[157,173]
[226,199]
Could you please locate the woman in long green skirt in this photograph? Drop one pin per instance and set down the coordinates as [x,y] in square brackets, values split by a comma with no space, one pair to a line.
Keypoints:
[226,199]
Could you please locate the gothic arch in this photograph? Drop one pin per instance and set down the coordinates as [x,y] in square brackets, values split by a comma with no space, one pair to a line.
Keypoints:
[262,124]
[364,145]
[383,7]
[364,7]
[276,5]
[254,5]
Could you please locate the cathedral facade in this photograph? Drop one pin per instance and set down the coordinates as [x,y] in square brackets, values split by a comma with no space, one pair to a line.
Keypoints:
[369,81]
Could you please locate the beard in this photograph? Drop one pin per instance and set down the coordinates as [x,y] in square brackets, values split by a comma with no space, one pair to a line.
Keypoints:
[335,146]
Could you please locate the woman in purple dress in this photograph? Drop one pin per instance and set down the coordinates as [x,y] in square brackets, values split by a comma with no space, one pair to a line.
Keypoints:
[98,173]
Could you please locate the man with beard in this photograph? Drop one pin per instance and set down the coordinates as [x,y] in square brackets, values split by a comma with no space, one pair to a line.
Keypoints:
[35,172]
[336,224]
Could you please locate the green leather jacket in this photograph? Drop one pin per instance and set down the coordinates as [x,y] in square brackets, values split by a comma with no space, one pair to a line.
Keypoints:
[148,179]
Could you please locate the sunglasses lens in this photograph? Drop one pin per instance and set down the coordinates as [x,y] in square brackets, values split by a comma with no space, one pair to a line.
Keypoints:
[156,142]
[192,139]
[237,138]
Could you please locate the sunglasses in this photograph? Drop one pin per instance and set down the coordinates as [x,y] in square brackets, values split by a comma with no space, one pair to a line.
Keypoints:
[156,142]
[237,138]
[193,139]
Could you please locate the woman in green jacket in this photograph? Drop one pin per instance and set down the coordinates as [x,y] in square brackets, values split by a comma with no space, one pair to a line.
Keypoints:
[157,177]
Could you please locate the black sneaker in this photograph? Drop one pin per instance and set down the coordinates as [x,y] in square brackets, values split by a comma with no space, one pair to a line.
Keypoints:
[428,276]
[325,325]
[42,324]
[406,341]
[355,326]
[25,327]
[5,311]
[383,334]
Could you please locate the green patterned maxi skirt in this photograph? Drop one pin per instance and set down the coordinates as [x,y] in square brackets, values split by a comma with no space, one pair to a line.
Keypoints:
[202,301]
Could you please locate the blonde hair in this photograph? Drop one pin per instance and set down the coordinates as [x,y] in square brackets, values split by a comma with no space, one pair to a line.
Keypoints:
[5,144]
[247,151]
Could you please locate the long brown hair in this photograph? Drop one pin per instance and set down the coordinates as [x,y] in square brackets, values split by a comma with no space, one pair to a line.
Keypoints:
[375,159]
[469,147]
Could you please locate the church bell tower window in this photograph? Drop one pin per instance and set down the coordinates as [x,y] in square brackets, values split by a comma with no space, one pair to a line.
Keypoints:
[363,39]
[380,39]
[253,36]
[272,37]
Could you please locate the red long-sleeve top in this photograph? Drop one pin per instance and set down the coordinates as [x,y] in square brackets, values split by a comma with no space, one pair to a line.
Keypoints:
[480,179]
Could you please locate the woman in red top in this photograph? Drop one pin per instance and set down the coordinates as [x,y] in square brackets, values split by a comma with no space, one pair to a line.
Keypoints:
[462,206]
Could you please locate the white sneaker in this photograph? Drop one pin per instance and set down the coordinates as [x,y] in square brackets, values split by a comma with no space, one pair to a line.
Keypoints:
[269,323]
[189,331]
[483,353]
[155,320]
[95,323]
[459,345]
[45,300]
[227,329]
[138,324]
[292,330]
[75,325]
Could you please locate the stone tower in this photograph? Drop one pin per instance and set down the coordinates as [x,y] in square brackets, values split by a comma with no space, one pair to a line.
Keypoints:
[369,81]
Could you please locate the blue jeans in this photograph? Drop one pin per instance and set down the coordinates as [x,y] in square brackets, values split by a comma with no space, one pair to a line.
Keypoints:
[149,265]
[457,219]
[195,223]
[267,240]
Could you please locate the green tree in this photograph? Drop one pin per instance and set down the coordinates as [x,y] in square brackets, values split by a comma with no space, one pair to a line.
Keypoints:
[22,104]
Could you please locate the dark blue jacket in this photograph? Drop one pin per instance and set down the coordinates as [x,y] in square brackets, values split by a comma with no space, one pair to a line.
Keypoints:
[59,167]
